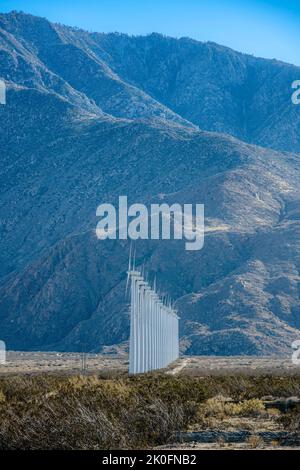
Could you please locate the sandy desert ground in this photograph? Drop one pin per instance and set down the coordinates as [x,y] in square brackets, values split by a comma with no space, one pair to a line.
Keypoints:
[65,363]
[74,363]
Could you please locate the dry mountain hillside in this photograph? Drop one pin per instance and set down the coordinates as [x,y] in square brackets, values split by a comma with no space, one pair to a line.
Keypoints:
[92,116]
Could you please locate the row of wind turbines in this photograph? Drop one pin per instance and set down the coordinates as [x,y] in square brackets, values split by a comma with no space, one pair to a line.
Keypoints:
[154,326]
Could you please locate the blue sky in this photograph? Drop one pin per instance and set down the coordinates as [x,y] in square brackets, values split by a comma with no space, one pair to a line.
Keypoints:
[264,28]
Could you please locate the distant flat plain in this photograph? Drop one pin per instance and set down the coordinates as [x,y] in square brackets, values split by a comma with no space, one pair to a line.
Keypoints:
[114,364]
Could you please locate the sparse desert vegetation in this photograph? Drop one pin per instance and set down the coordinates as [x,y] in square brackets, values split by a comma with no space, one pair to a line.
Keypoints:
[57,412]
[101,412]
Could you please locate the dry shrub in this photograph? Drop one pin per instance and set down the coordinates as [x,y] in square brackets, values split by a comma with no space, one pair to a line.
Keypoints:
[2,397]
[48,412]
[242,387]
[219,408]
[253,407]
[254,442]
[291,420]
[92,412]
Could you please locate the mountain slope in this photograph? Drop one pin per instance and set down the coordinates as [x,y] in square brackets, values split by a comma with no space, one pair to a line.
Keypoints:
[41,56]
[90,117]
[238,295]
[212,86]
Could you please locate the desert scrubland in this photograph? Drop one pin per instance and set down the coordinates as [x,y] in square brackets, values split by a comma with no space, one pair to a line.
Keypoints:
[53,401]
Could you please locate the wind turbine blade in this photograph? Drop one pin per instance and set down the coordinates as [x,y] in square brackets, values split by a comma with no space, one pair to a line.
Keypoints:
[127,282]
[129,260]
[143,269]
[129,269]
[134,255]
